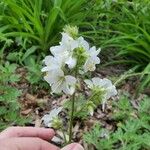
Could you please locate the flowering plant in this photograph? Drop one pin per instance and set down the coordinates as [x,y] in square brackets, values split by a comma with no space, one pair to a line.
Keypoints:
[67,64]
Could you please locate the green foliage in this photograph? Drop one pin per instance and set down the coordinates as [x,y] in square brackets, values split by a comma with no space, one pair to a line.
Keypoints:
[84,106]
[8,73]
[13,55]
[34,70]
[80,108]
[99,138]
[122,109]
[126,28]
[39,22]
[9,106]
[132,132]
[34,74]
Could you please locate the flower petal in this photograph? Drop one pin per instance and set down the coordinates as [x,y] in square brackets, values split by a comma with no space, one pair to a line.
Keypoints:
[70,80]
[50,78]
[48,60]
[69,85]
[53,76]
[106,83]
[48,118]
[89,83]
[71,62]
[69,90]
[57,87]
[56,50]
[89,66]
[93,52]
[83,43]
[96,81]
[111,91]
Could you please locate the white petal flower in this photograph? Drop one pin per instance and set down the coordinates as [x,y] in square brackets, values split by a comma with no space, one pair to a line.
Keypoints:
[71,62]
[48,118]
[80,42]
[51,63]
[104,84]
[70,44]
[60,52]
[64,51]
[60,83]
[69,85]
[89,83]
[54,78]
[57,50]
[83,43]
[92,59]
[67,41]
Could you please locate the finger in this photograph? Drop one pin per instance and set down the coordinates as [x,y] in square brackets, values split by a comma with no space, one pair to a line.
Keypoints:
[42,133]
[73,146]
[26,144]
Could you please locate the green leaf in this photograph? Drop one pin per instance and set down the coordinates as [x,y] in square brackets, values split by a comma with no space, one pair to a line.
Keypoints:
[13,55]
[29,52]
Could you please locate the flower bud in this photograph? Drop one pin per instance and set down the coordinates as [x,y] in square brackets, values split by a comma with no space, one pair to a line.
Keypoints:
[57,123]
[90,106]
[71,30]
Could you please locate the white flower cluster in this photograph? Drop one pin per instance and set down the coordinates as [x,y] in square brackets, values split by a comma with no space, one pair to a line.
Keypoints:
[105,85]
[64,59]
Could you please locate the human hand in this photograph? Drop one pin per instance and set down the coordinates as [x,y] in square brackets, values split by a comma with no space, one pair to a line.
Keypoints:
[30,138]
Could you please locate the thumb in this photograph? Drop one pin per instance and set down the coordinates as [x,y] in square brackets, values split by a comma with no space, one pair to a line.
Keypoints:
[73,146]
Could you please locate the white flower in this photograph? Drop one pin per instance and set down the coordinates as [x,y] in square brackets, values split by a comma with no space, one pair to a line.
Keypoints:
[48,118]
[66,46]
[67,42]
[60,83]
[104,84]
[71,62]
[92,59]
[52,63]
[64,51]
[70,44]
[81,43]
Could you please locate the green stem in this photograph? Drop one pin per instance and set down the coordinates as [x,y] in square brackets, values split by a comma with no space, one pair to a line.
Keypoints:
[72,108]
[71,118]
[128,76]
[2,53]
[64,135]
[91,97]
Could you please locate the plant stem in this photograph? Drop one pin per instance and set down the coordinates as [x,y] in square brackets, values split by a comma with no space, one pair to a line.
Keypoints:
[71,118]
[64,135]
[95,93]
[128,76]
[72,108]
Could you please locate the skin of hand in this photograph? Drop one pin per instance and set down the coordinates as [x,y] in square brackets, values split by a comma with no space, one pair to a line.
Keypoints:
[30,138]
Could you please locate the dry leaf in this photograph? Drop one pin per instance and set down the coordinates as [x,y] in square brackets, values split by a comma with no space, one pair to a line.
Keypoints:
[26,112]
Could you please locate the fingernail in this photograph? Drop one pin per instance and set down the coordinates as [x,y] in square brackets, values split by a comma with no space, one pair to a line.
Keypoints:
[73,146]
